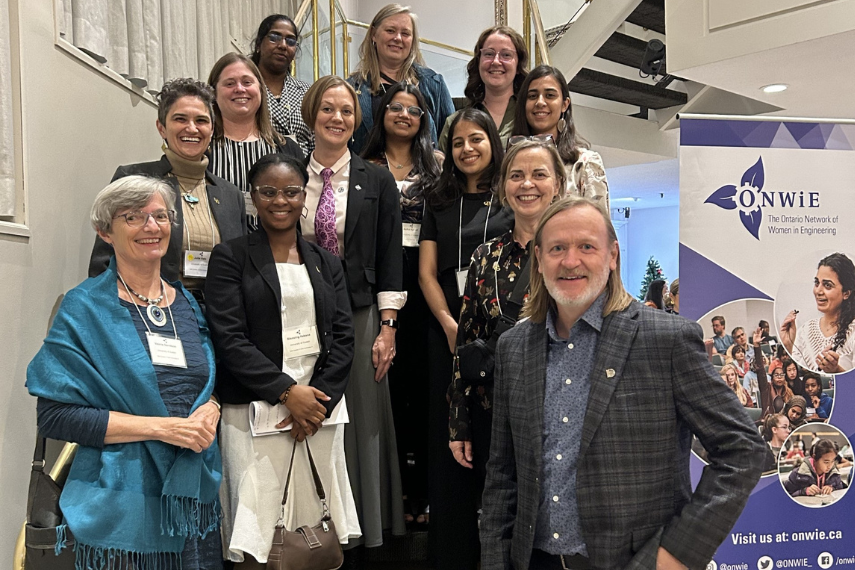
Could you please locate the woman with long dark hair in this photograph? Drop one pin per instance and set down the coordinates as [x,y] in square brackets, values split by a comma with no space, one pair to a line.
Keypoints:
[400,141]
[655,296]
[826,344]
[545,109]
[495,74]
[462,213]
[274,47]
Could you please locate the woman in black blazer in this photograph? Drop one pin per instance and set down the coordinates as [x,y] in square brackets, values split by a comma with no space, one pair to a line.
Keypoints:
[353,210]
[208,209]
[264,290]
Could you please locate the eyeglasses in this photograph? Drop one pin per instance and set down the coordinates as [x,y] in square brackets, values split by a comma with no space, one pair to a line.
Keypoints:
[778,375]
[137,219]
[517,139]
[787,427]
[269,193]
[504,56]
[276,38]
[412,110]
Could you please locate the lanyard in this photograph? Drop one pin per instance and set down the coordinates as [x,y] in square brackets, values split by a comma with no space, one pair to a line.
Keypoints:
[168,307]
[460,232]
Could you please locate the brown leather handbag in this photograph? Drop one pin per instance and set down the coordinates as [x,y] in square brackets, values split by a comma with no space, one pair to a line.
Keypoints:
[309,547]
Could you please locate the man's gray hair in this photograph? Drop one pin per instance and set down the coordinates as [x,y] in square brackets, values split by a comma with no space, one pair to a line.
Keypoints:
[128,193]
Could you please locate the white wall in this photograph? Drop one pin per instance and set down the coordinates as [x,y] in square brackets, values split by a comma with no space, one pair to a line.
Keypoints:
[78,126]
[651,231]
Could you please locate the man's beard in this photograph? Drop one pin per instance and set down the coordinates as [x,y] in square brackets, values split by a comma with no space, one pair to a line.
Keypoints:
[596,284]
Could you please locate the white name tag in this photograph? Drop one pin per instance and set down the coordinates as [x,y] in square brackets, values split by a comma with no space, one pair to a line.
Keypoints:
[250,207]
[461,281]
[196,263]
[411,234]
[810,412]
[301,341]
[166,351]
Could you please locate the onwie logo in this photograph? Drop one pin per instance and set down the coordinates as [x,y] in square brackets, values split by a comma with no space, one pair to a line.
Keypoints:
[745,198]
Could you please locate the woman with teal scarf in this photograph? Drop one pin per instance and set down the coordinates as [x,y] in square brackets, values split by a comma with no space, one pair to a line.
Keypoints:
[127,371]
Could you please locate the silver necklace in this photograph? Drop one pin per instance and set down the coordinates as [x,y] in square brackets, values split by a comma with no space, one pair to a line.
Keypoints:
[155,314]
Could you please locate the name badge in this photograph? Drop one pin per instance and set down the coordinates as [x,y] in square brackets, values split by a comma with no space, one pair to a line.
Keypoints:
[301,341]
[461,281]
[810,412]
[166,351]
[411,234]
[250,207]
[196,263]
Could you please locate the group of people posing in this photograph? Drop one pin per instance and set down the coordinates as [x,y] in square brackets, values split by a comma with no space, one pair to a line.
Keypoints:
[313,257]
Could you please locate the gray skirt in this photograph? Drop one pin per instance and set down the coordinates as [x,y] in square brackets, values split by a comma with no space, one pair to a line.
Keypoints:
[369,440]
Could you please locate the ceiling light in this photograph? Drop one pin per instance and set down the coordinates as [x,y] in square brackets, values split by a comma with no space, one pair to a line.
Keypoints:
[774,88]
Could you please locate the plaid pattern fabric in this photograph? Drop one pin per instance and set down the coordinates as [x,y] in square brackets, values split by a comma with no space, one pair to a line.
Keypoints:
[652,387]
[285,113]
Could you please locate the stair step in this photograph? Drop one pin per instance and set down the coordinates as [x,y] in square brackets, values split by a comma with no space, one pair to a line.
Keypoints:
[622,90]
[649,14]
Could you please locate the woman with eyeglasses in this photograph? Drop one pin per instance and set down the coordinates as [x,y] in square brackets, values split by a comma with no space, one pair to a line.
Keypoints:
[353,211]
[462,213]
[776,430]
[547,111]
[263,289]
[495,74]
[208,208]
[390,53]
[400,141]
[242,129]
[532,177]
[274,47]
[127,372]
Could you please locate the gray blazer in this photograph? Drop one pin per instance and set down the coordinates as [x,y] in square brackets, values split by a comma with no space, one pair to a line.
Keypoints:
[227,206]
[652,387]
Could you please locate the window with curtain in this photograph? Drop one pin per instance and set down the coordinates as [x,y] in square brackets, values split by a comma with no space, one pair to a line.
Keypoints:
[8,192]
[152,41]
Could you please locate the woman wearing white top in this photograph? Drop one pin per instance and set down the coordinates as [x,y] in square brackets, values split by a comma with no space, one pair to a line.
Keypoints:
[353,211]
[826,344]
[545,109]
[262,287]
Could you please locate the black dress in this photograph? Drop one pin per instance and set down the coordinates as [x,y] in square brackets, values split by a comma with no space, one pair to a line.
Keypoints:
[457,230]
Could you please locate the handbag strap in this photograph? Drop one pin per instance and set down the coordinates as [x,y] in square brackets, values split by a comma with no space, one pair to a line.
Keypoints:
[39,453]
[513,306]
[319,486]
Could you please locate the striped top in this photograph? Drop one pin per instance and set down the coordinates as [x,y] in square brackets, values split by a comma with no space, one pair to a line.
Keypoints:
[231,160]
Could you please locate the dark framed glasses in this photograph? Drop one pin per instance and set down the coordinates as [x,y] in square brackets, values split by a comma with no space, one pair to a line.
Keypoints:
[269,193]
[276,38]
[517,139]
[412,110]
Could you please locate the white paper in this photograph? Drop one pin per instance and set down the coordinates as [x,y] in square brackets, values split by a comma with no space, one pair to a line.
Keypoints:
[461,281]
[263,417]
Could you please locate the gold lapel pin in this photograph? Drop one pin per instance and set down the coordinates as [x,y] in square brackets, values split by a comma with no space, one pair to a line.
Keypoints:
[216,200]
[610,372]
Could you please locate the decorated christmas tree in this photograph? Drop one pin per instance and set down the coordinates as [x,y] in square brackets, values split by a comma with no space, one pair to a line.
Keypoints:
[653,273]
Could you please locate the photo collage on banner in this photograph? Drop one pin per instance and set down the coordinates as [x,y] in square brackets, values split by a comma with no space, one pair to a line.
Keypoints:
[767,236]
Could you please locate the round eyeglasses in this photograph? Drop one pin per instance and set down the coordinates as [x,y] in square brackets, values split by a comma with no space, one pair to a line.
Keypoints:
[412,110]
[504,56]
[137,219]
[269,193]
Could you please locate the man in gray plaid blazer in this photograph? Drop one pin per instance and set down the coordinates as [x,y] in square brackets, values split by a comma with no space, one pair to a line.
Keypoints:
[596,400]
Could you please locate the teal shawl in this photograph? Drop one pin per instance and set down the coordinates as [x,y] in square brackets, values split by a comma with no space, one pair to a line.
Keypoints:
[133,502]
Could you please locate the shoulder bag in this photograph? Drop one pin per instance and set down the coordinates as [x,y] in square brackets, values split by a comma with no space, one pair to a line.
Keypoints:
[475,359]
[309,547]
[43,518]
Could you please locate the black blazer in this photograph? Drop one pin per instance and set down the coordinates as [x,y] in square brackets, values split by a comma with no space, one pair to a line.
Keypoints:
[243,297]
[227,207]
[373,256]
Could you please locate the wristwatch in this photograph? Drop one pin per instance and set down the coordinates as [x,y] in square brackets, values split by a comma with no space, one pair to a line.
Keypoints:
[390,323]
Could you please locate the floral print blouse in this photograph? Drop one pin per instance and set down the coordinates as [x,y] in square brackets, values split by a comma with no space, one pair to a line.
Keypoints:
[587,177]
[493,272]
